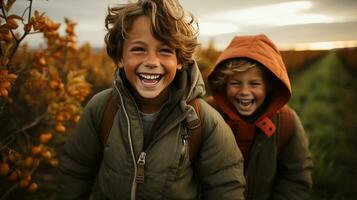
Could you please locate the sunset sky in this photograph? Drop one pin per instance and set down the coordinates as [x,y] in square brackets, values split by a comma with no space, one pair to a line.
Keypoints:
[316,24]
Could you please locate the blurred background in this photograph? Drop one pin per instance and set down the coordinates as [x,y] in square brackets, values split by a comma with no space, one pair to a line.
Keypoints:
[53,60]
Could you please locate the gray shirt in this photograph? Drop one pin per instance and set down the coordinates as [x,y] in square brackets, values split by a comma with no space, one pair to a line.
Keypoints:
[148,122]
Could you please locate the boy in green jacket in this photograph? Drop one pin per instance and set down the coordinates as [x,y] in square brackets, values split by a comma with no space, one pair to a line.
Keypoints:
[146,154]
[251,89]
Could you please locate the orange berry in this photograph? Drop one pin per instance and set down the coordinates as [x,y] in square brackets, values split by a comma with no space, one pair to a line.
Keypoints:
[46,154]
[59,118]
[5,84]
[32,187]
[12,76]
[74,46]
[4,169]
[67,114]
[45,137]
[27,176]
[14,176]
[53,84]
[4,92]
[28,162]
[54,162]
[42,61]
[36,150]
[4,72]
[24,183]
[61,86]
[76,119]
[60,128]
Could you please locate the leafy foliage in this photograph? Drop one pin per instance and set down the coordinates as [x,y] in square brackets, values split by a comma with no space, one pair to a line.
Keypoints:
[324,96]
[41,95]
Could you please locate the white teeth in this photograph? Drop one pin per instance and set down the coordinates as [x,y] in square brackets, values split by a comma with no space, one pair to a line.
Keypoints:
[245,101]
[150,76]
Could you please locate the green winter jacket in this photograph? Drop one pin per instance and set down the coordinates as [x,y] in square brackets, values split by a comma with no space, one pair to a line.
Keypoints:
[271,173]
[109,172]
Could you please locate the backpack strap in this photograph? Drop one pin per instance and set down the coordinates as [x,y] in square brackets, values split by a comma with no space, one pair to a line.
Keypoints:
[195,132]
[194,128]
[108,118]
[286,126]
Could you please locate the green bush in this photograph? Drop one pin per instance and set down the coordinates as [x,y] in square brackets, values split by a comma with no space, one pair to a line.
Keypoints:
[324,97]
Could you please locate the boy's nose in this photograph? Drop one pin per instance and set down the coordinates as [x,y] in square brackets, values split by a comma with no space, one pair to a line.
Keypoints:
[151,60]
[244,89]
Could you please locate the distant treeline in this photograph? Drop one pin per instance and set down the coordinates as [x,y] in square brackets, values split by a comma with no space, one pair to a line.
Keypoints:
[297,60]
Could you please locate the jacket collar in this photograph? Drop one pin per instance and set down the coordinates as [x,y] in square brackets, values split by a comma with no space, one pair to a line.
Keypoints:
[264,122]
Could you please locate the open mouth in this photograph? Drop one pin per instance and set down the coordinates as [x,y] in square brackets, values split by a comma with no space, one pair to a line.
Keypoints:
[150,80]
[246,102]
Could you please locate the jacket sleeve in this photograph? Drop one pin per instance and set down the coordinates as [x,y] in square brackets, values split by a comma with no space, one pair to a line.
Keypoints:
[294,166]
[219,162]
[82,153]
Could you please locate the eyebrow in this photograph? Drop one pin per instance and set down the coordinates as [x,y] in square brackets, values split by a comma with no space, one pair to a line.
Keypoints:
[137,42]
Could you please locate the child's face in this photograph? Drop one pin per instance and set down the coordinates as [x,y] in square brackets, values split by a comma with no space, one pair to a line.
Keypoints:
[149,64]
[247,90]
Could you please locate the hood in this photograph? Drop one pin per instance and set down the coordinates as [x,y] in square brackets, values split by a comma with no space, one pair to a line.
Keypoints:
[263,50]
[196,86]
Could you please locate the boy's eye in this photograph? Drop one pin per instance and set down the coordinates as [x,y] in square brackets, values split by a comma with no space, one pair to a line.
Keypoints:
[167,51]
[137,49]
[233,83]
[256,83]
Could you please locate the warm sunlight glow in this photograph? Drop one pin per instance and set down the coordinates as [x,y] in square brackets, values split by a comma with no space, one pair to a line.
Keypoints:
[303,19]
[281,14]
[319,45]
[209,29]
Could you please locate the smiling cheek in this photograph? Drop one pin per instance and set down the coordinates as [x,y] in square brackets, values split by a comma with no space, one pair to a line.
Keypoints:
[260,97]
[231,92]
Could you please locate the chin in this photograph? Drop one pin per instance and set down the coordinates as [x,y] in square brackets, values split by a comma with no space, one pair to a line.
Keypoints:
[150,94]
[246,113]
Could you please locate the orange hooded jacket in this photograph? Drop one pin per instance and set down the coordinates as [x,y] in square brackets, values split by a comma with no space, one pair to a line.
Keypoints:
[269,174]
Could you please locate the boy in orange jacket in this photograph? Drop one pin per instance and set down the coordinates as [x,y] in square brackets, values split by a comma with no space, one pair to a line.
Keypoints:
[251,89]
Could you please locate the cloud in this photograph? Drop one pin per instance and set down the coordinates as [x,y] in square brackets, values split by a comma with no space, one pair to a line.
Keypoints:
[207,28]
[287,22]
[280,14]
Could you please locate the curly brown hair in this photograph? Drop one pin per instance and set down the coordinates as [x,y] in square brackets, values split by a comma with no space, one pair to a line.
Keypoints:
[170,24]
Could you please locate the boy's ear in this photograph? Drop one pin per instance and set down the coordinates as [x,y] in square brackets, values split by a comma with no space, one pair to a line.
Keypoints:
[179,66]
[120,64]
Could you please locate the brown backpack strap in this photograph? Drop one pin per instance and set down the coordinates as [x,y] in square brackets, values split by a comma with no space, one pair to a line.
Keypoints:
[286,126]
[108,118]
[195,132]
[194,128]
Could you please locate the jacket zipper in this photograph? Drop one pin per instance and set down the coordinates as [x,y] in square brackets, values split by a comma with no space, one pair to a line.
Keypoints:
[133,187]
[139,178]
[140,168]
[184,139]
